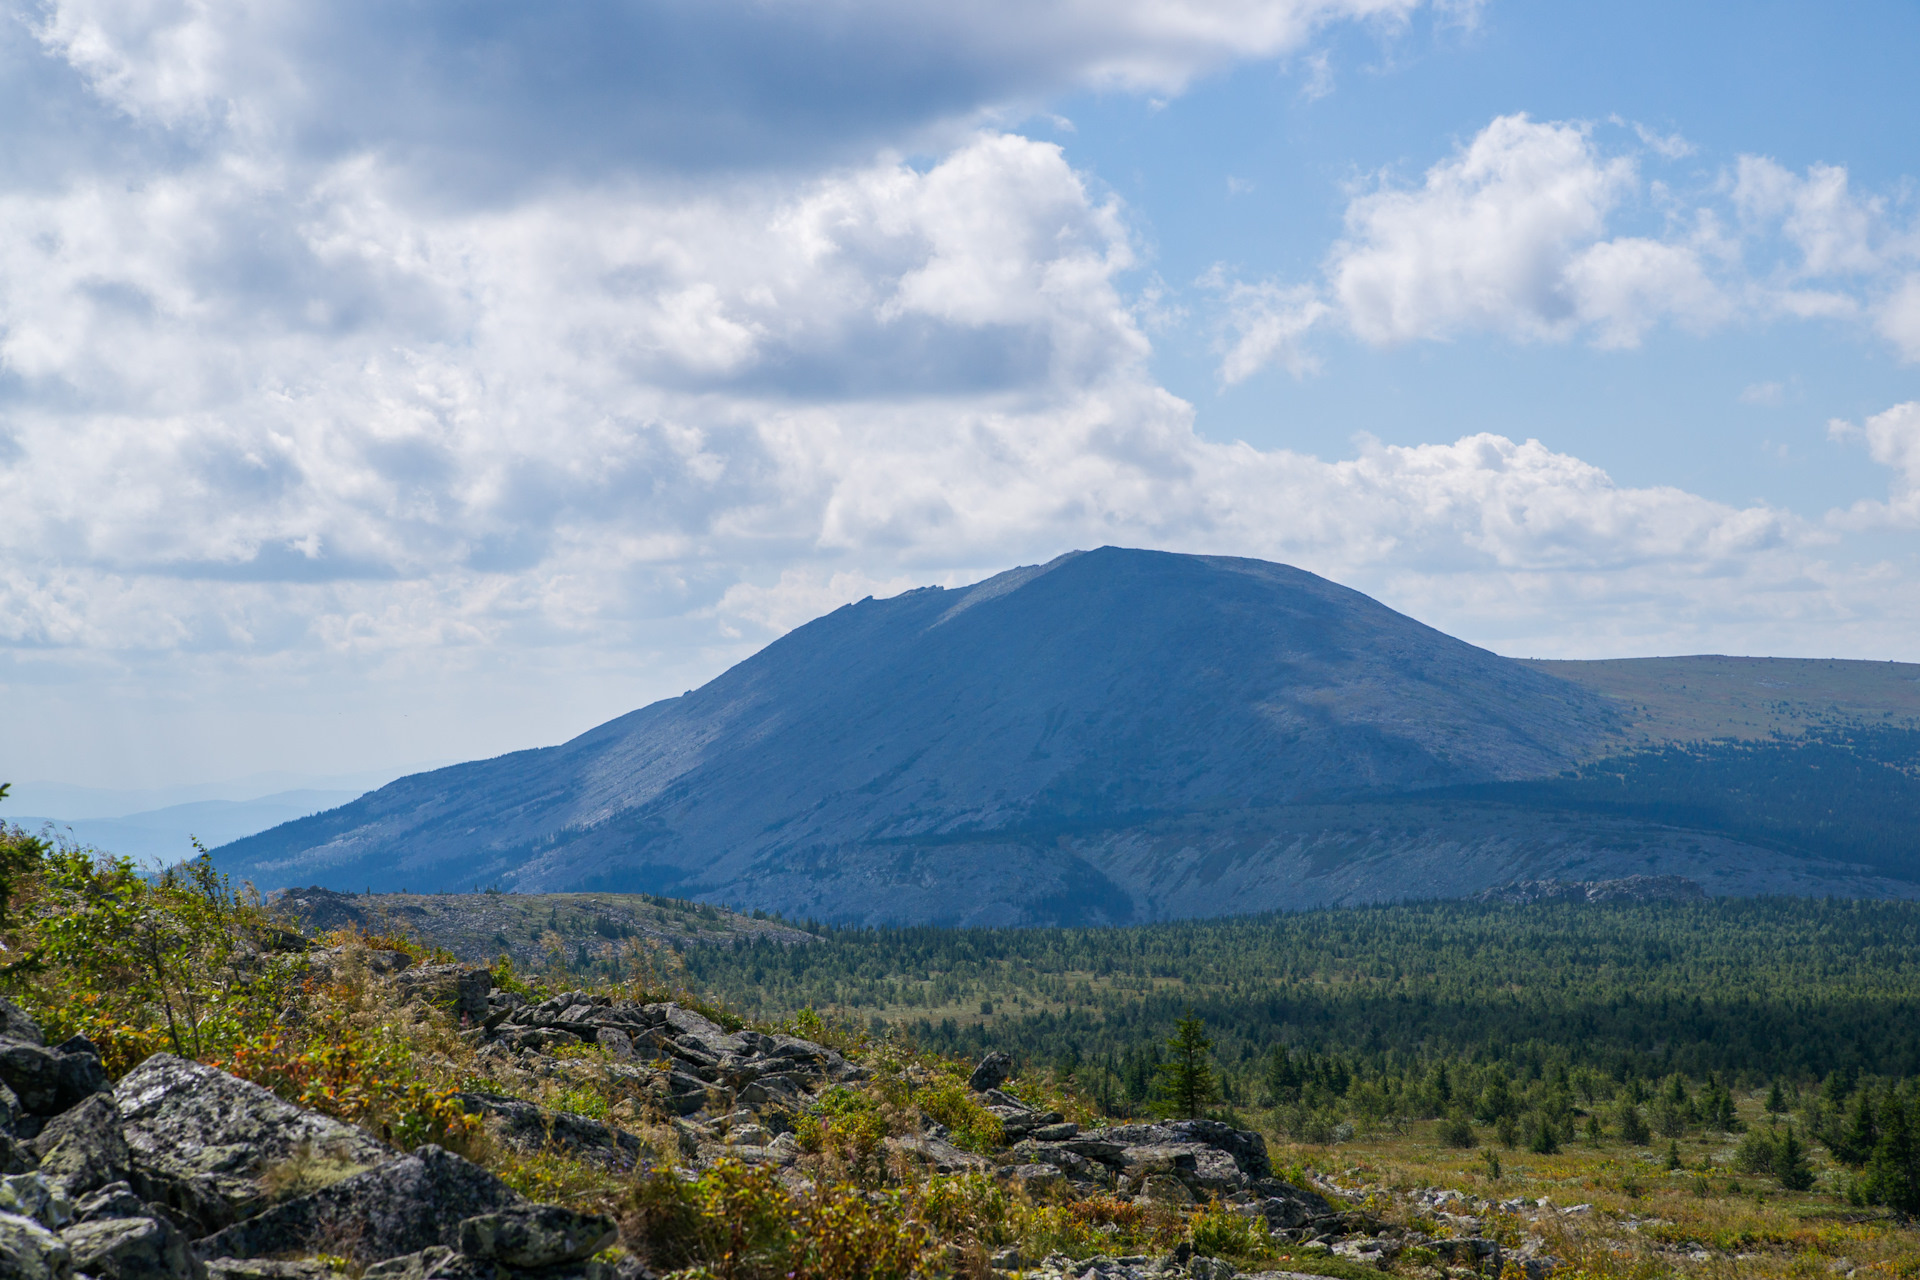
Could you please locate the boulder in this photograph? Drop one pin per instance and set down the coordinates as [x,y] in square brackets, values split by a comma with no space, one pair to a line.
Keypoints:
[460,988]
[271,1269]
[401,1207]
[530,1128]
[1287,1207]
[32,1196]
[48,1081]
[83,1149]
[115,1200]
[132,1249]
[991,1073]
[28,1251]
[1247,1149]
[15,1024]
[541,1235]
[209,1146]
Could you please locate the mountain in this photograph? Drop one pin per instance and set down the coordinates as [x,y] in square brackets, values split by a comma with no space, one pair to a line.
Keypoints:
[1116,735]
[166,835]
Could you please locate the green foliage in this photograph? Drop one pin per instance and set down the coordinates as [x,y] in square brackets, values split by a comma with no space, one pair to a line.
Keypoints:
[178,961]
[1218,1232]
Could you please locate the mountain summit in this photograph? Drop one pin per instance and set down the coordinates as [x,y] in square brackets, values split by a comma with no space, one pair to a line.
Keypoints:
[977,754]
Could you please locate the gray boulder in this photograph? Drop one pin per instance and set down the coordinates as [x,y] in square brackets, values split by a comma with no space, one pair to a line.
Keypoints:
[528,1127]
[209,1146]
[83,1149]
[991,1073]
[48,1081]
[16,1025]
[272,1269]
[541,1235]
[28,1251]
[132,1249]
[460,988]
[115,1200]
[32,1196]
[401,1207]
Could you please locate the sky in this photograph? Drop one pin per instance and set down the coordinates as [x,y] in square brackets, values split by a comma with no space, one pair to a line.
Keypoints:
[386,384]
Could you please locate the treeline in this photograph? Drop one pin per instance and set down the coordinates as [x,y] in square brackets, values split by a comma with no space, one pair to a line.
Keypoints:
[1847,793]
[1746,988]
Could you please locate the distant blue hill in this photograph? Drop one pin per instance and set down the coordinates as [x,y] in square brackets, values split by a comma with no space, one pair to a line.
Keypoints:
[1116,735]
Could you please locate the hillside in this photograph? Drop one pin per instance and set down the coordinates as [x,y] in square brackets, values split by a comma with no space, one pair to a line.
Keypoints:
[1114,736]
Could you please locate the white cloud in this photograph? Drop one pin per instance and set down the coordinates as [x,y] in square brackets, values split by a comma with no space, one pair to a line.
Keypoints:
[1517,234]
[1509,236]
[1268,323]
[482,98]
[1893,440]
[1898,318]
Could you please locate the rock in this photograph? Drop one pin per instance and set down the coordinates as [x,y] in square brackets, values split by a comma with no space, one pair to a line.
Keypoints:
[1035,1177]
[461,988]
[1286,1206]
[28,1251]
[991,1073]
[942,1156]
[1247,1149]
[531,1128]
[210,1147]
[15,1024]
[436,1262]
[1164,1188]
[132,1249]
[400,1207]
[31,1196]
[542,1235]
[83,1148]
[115,1200]
[269,1269]
[616,1042]
[48,1081]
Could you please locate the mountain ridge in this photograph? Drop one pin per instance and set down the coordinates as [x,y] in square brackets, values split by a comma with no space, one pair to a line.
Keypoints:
[1061,742]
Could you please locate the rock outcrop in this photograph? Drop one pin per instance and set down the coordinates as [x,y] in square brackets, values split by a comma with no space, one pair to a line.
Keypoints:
[187,1173]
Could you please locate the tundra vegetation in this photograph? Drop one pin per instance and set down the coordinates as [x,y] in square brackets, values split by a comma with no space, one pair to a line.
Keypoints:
[1621,1091]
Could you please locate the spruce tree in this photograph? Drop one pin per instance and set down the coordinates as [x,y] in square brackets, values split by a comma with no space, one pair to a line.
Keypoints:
[1861,1133]
[1893,1172]
[1790,1162]
[1633,1125]
[1776,1100]
[1186,1081]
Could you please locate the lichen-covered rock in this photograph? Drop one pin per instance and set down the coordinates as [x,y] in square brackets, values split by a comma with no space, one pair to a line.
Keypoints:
[83,1149]
[991,1073]
[541,1235]
[28,1251]
[531,1128]
[202,1142]
[115,1200]
[131,1249]
[48,1081]
[461,989]
[31,1196]
[400,1207]
[15,1024]
[272,1269]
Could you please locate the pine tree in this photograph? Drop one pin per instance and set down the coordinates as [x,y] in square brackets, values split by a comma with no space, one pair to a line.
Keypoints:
[1283,1075]
[1776,1100]
[1186,1081]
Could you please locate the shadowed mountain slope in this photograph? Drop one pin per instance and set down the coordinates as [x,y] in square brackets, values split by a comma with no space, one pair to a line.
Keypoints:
[893,754]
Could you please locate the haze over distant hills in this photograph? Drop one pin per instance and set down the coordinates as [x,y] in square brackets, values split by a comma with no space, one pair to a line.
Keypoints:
[1116,735]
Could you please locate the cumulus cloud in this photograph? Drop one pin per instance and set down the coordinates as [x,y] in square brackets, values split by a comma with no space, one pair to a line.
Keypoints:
[1893,440]
[484,97]
[1517,234]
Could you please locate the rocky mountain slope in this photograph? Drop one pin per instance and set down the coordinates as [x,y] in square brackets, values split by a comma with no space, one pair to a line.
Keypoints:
[1117,735]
